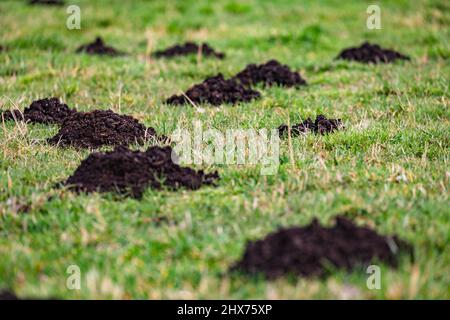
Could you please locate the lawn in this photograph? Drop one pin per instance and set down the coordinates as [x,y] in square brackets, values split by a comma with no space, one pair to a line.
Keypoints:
[388,169]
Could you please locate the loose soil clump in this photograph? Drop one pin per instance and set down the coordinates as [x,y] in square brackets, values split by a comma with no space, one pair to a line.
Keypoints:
[98,47]
[101,128]
[270,73]
[46,111]
[321,125]
[47,2]
[187,49]
[130,172]
[314,250]
[216,91]
[371,53]
[11,115]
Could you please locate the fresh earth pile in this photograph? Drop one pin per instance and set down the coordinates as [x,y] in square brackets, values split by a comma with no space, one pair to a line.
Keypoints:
[131,172]
[47,2]
[371,53]
[101,128]
[187,49]
[321,125]
[216,91]
[8,295]
[270,73]
[47,111]
[10,115]
[314,250]
[99,47]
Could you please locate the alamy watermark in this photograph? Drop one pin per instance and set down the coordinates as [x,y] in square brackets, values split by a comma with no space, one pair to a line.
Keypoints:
[73,21]
[374,280]
[374,19]
[231,147]
[73,281]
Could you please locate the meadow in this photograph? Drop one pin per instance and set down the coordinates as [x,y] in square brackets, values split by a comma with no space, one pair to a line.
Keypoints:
[387,169]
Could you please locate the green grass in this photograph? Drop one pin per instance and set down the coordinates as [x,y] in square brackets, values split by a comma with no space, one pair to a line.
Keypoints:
[396,118]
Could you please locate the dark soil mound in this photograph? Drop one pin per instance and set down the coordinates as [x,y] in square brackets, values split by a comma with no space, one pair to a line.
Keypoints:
[47,111]
[101,128]
[8,295]
[187,49]
[99,47]
[312,250]
[371,53]
[270,73]
[10,115]
[216,91]
[131,172]
[47,2]
[321,125]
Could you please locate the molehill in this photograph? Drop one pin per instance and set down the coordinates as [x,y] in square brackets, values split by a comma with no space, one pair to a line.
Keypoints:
[130,172]
[101,128]
[188,48]
[47,111]
[270,73]
[371,53]
[216,91]
[98,47]
[315,250]
[321,125]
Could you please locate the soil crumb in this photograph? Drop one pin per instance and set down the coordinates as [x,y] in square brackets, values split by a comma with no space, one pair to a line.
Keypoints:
[98,47]
[47,2]
[321,125]
[130,172]
[371,53]
[313,250]
[270,73]
[216,91]
[101,128]
[187,49]
[46,111]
